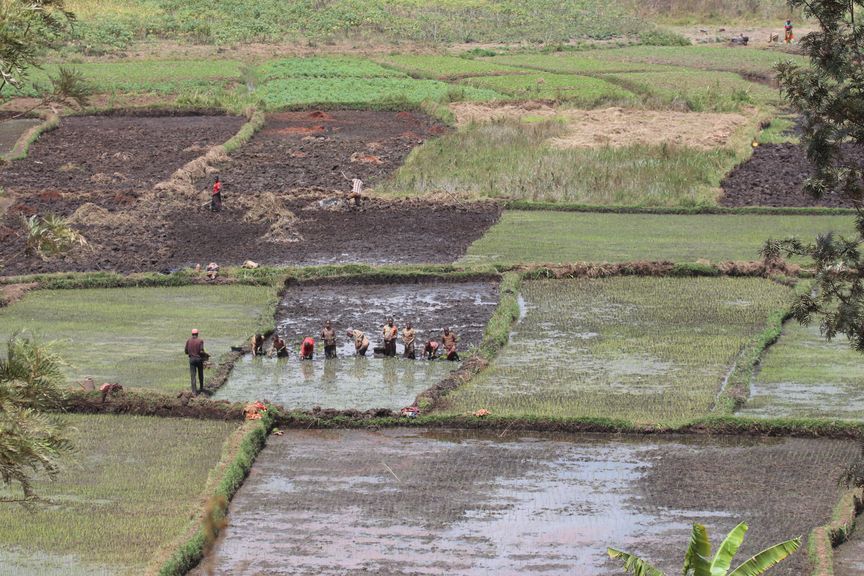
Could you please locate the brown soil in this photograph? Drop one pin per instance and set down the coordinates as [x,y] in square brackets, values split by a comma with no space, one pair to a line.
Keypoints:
[617,126]
[774,176]
[179,235]
[300,150]
[149,403]
[111,154]
[134,224]
[11,293]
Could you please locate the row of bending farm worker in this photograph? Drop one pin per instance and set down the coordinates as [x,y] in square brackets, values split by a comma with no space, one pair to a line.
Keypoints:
[390,334]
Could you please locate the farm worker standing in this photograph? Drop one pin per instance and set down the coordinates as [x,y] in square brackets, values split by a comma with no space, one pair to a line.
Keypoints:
[280,350]
[787,28]
[361,342]
[408,337]
[216,196]
[307,348]
[390,333]
[430,351]
[448,340]
[328,335]
[197,355]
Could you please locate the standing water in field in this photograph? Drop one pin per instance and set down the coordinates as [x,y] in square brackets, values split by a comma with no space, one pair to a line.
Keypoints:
[421,502]
[356,383]
[805,376]
[363,383]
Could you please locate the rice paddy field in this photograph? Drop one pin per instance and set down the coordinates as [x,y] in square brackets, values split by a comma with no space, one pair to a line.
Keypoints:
[640,349]
[462,502]
[449,112]
[559,237]
[136,336]
[132,488]
[805,376]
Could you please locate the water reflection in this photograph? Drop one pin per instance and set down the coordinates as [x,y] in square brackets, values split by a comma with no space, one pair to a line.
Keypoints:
[345,382]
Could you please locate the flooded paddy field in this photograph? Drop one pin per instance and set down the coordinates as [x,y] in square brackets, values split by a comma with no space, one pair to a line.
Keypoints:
[363,383]
[644,349]
[804,375]
[458,502]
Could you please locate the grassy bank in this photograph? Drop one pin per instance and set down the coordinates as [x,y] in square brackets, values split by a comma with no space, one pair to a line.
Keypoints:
[516,161]
[559,237]
[134,485]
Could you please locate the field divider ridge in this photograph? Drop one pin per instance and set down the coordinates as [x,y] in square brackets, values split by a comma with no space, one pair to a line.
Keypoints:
[50,121]
[823,539]
[239,453]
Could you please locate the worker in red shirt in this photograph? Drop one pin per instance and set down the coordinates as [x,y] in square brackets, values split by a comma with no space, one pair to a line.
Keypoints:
[216,196]
[197,356]
[307,348]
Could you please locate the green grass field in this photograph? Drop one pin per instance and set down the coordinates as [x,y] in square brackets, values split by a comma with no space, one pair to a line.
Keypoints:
[697,90]
[718,57]
[582,91]
[804,375]
[442,67]
[391,92]
[114,25]
[509,159]
[135,336]
[133,487]
[642,349]
[560,237]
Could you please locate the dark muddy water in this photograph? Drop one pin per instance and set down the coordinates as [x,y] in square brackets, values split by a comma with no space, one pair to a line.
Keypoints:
[370,382]
[422,502]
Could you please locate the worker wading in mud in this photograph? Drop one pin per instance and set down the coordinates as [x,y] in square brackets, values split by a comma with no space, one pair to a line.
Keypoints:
[430,351]
[448,341]
[408,339]
[307,348]
[216,196]
[279,349]
[328,336]
[361,342]
[390,333]
[256,345]
[197,356]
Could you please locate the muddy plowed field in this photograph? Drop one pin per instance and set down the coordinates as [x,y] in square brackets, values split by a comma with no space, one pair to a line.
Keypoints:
[774,176]
[297,150]
[114,154]
[379,232]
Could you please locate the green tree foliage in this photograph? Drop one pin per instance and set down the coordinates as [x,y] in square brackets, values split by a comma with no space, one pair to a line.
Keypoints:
[50,235]
[698,560]
[829,95]
[30,440]
[26,27]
